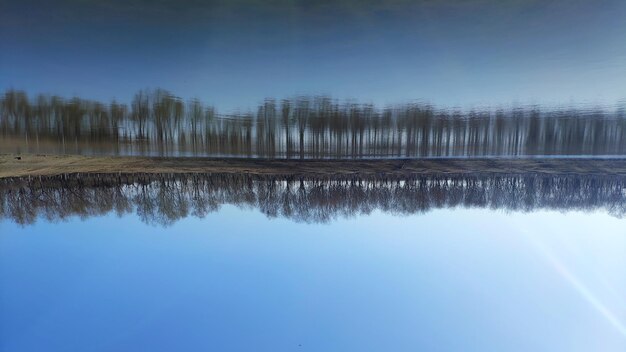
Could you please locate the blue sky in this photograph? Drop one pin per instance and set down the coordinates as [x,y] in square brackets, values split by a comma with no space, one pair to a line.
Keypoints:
[465,279]
[234,54]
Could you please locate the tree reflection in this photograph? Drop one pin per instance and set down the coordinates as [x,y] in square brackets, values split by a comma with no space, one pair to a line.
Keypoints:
[163,199]
[159,123]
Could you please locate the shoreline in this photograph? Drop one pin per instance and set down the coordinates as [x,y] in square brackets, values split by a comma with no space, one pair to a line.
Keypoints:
[49,165]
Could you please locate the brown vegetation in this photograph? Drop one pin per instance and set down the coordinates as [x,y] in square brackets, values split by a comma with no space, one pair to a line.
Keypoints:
[165,198]
[35,165]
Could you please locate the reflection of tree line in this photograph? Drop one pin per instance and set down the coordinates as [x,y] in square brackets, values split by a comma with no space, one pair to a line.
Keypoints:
[164,199]
[157,122]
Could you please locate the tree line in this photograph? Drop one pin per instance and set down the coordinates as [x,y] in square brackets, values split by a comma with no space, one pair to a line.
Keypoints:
[163,199]
[157,122]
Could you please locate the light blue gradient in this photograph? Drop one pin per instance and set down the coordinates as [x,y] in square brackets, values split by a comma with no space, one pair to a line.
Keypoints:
[448,280]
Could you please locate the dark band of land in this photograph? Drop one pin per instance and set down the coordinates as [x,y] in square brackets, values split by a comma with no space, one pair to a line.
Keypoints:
[47,165]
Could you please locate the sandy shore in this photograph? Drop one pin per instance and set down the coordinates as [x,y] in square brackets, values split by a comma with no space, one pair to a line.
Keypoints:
[24,165]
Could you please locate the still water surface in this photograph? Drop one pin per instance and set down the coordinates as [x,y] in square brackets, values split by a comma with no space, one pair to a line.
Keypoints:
[462,279]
